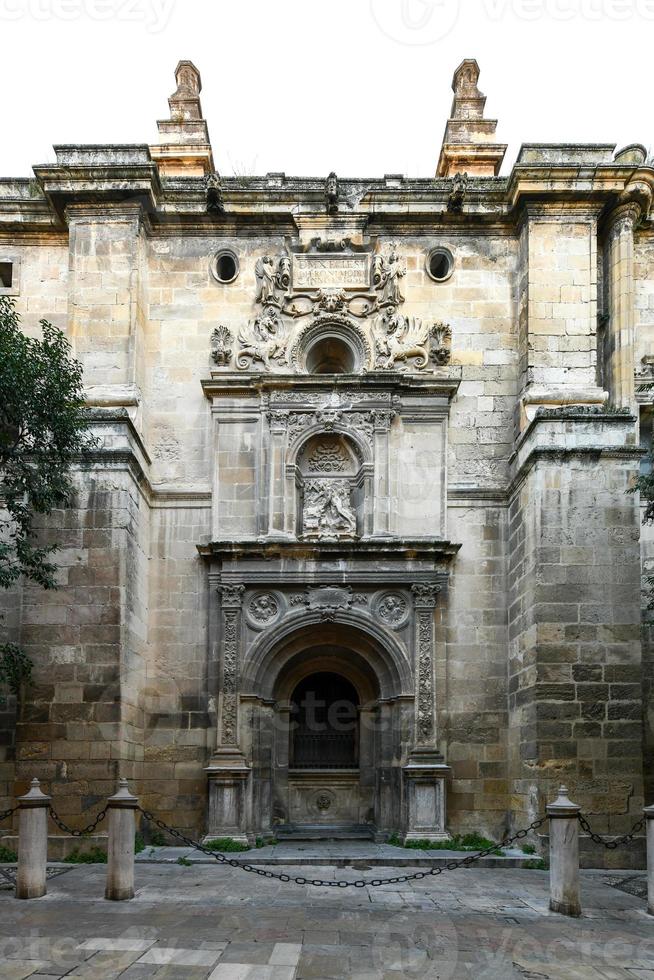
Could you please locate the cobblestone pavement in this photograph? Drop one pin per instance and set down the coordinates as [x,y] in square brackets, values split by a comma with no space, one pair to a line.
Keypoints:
[197,922]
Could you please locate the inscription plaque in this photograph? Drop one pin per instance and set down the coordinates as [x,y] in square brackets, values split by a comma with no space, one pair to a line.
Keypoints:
[331,272]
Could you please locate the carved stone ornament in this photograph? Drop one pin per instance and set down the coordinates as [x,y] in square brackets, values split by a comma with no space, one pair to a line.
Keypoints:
[400,338]
[231,595]
[221,346]
[393,609]
[263,609]
[264,340]
[327,457]
[440,340]
[457,196]
[214,189]
[425,714]
[327,511]
[331,193]
[424,594]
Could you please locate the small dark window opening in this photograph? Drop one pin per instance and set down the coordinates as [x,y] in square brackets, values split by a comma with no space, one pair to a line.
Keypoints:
[440,264]
[6,274]
[226,267]
[324,723]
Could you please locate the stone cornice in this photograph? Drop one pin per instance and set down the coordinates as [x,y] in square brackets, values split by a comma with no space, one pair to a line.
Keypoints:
[119,173]
[411,550]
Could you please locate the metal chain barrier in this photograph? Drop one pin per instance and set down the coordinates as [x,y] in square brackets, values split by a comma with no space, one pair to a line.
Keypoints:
[611,845]
[7,813]
[71,830]
[359,883]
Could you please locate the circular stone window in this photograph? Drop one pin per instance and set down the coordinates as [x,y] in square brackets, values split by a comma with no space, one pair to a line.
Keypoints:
[224,266]
[440,264]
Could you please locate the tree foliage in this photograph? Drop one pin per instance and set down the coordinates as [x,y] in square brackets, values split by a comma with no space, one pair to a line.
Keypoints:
[43,431]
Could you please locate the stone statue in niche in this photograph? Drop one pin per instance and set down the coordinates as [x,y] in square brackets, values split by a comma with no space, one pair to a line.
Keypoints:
[386,276]
[327,511]
[399,338]
[265,273]
[265,340]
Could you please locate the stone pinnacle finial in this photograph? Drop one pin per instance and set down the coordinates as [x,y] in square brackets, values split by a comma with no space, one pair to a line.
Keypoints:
[184,148]
[469,140]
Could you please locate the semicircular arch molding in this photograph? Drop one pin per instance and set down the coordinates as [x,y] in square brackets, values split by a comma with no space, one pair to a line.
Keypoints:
[307,629]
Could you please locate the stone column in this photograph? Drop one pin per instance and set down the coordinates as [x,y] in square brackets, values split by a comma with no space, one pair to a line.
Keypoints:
[32,843]
[425,775]
[620,277]
[227,770]
[649,825]
[120,852]
[564,855]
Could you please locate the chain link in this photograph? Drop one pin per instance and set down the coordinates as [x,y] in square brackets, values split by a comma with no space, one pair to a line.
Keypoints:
[71,830]
[360,882]
[7,813]
[611,845]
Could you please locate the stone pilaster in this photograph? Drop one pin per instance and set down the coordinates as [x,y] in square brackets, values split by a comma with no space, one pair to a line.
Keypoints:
[228,695]
[227,771]
[557,313]
[424,601]
[619,271]
[425,774]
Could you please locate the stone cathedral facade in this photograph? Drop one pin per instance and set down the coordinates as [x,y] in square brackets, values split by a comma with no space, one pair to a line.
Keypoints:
[354,553]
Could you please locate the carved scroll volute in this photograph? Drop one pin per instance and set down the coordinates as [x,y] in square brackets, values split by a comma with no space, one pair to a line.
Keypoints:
[231,602]
[424,600]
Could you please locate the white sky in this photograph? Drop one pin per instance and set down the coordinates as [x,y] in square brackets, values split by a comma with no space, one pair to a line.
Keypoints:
[361,87]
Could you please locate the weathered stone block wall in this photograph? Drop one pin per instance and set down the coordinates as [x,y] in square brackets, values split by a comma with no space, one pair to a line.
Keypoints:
[471,677]
[575,671]
[82,718]
[177,698]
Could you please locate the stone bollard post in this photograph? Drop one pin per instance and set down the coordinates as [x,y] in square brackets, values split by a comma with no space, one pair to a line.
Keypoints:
[564,855]
[649,830]
[120,853]
[32,843]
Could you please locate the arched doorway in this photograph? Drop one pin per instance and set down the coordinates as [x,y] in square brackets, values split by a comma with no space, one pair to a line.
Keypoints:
[338,782]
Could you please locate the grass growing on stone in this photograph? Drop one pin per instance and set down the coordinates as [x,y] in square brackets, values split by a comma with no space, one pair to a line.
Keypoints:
[95,855]
[458,842]
[528,849]
[7,856]
[226,844]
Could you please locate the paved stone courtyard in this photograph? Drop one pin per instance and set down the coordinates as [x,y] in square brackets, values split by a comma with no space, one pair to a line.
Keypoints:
[197,922]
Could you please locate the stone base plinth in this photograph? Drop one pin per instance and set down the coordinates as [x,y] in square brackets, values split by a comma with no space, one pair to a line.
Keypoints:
[227,785]
[425,784]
